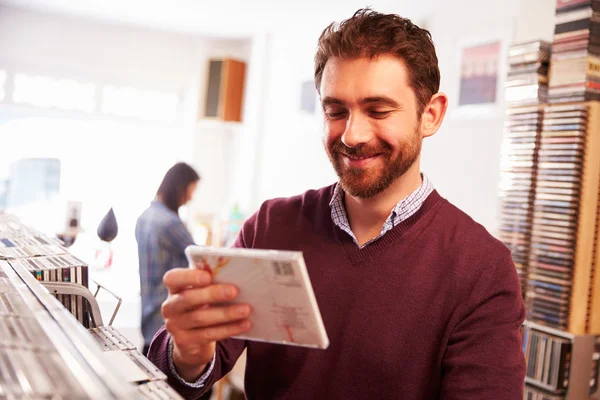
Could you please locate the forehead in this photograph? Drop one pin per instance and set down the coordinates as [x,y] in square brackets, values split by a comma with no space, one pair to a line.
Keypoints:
[352,79]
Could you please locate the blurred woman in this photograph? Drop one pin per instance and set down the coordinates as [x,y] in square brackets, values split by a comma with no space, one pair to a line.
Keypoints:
[162,238]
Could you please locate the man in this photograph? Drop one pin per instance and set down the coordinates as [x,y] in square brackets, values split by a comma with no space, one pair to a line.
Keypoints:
[418,300]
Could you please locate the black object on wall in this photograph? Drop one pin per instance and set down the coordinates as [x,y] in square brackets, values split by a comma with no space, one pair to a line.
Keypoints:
[108,228]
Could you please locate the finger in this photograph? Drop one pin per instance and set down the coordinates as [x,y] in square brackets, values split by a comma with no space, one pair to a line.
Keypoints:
[178,279]
[191,299]
[212,294]
[212,316]
[195,337]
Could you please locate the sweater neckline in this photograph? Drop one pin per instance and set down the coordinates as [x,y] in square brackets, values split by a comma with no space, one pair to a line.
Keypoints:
[359,255]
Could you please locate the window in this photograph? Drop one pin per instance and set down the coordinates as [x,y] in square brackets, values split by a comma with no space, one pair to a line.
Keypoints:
[71,95]
[2,84]
[65,94]
[144,104]
[32,180]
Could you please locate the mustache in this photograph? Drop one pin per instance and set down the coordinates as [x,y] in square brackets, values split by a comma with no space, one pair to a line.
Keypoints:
[362,150]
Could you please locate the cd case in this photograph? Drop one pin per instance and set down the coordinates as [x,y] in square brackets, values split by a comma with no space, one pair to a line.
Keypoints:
[275,284]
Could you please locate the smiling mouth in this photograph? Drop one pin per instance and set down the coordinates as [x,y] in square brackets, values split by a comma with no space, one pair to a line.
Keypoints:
[360,157]
[362,161]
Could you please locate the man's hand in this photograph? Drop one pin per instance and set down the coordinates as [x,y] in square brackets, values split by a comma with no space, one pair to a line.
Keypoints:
[196,320]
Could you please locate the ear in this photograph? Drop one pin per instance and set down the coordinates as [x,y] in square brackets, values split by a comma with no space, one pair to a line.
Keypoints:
[433,114]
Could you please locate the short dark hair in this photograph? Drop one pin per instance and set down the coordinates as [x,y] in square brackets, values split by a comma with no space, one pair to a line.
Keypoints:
[371,34]
[174,185]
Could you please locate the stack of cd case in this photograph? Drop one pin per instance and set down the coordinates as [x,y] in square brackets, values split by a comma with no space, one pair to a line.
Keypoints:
[548,359]
[527,81]
[12,237]
[26,251]
[550,219]
[44,353]
[559,365]
[555,220]
[20,241]
[157,390]
[61,268]
[155,386]
[550,215]
[517,184]
[45,350]
[109,339]
[575,65]
[47,261]
[533,393]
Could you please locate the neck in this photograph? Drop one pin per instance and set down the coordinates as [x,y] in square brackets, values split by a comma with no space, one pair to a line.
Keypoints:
[367,216]
[160,199]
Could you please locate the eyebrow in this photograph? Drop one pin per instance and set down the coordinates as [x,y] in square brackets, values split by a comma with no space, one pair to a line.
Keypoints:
[328,100]
[380,100]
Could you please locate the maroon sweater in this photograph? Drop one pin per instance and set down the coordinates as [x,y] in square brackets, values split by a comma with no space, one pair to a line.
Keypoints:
[429,311]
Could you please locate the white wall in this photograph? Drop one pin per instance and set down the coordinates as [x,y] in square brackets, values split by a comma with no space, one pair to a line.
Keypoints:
[216,144]
[536,20]
[104,53]
[93,50]
[247,143]
[292,158]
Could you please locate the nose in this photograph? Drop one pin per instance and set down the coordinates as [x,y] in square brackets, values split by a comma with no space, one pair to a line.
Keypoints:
[357,132]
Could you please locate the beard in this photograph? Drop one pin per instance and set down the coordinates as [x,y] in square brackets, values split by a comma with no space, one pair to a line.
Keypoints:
[372,180]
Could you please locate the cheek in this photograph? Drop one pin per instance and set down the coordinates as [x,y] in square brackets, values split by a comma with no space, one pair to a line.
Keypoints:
[397,133]
[332,132]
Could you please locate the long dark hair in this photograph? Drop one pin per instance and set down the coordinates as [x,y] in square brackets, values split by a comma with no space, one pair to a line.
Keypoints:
[173,187]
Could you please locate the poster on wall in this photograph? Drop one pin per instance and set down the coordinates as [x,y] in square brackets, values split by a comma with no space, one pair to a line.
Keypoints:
[308,97]
[479,74]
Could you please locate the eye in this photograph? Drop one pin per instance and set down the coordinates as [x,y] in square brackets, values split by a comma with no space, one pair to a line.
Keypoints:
[335,114]
[379,114]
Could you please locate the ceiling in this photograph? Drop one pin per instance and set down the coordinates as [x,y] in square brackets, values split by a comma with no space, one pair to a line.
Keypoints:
[226,18]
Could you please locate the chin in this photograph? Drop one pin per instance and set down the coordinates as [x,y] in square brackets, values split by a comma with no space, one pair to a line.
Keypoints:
[363,193]
[362,190]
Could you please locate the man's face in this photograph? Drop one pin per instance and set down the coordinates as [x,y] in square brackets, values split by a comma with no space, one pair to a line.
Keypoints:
[372,127]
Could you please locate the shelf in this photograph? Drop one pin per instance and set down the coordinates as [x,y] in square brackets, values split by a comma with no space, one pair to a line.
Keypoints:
[45,350]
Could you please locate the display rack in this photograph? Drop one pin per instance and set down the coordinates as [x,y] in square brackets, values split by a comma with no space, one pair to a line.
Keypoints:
[560,365]
[549,201]
[551,223]
[46,350]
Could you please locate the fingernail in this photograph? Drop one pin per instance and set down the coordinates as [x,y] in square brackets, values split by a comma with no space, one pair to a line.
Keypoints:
[245,324]
[202,278]
[242,310]
[229,291]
